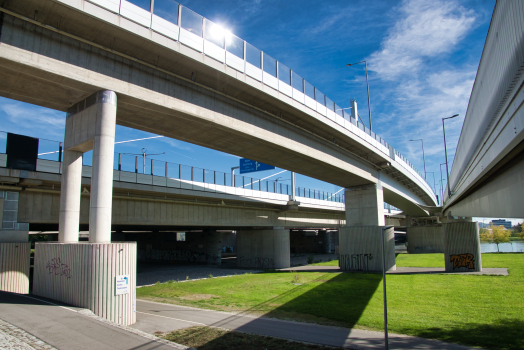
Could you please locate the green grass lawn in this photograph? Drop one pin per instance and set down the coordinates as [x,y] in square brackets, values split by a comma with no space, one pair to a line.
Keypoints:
[486,311]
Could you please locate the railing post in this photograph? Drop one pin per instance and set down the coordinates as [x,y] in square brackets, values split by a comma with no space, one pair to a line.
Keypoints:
[152,167]
[204,175]
[180,166]
[166,170]
[136,165]
[192,173]
[119,161]
[243,183]
[225,179]
[214,177]
[60,158]
[251,181]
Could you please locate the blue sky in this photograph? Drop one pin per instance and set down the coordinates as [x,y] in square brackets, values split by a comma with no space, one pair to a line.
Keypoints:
[422,59]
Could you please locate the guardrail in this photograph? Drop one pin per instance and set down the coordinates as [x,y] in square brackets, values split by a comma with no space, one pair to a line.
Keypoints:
[156,172]
[181,24]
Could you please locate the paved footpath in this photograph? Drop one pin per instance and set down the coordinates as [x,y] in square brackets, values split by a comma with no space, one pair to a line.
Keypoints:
[152,317]
[42,324]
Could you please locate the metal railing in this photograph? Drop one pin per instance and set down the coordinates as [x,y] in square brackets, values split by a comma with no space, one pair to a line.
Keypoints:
[179,23]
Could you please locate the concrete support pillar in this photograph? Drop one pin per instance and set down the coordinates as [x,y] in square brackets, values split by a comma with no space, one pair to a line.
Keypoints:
[102,176]
[462,246]
[264,249]
[360,248]
[69,216]
[213,247]
[90,124]
[425,239]
[365,205]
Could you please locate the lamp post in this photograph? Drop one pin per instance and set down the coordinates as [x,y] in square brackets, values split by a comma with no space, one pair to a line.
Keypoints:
[441,185]
[423,156]
[367,83]
[446,153]
[434,185]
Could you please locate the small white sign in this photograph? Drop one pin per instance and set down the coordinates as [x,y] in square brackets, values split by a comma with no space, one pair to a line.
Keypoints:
[122,284]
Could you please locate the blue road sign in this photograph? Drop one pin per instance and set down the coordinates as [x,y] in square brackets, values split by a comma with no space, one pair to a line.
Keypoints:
[249,166]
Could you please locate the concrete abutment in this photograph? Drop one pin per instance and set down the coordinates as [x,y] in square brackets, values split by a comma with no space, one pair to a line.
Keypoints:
[264,249]
[462,247]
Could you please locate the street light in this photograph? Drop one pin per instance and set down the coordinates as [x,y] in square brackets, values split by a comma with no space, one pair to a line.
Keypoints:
[441,185]
[367,83]
[423,156]
[446,153]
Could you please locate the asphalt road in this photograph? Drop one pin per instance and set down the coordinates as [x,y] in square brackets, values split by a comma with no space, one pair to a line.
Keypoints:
[152,317]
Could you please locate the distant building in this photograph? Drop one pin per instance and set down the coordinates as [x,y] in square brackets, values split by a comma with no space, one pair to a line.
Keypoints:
[502,222]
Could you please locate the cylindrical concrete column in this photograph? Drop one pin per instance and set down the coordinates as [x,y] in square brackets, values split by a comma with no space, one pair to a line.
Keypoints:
[69,215]
[102,176]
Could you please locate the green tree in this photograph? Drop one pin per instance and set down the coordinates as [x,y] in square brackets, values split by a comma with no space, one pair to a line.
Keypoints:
[521,233]
[495,234]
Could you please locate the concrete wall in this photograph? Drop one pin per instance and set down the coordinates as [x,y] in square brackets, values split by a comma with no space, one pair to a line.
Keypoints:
[83,274]
[14,267]
[425,239]
[360,248]
[264,249]
[323,242]
[462,247]
[202,247]
[43,207]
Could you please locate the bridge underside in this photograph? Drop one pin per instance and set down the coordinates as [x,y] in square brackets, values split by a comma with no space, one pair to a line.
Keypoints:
[48,69]
[499,194]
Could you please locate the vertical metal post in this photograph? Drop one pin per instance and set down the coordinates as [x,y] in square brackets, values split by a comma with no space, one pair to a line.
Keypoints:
[369,103]
[225,179]
[136,165]
[214,177]
[293,194]
[192,173]
[179,20]
[243,183]
[251,181]
[60,158]
[386,341]
[119,161]
[204,175]
[180,171]
[259,185]
[152,173]
[166,171]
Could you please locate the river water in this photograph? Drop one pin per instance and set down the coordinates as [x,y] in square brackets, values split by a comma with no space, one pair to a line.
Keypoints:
[513,247]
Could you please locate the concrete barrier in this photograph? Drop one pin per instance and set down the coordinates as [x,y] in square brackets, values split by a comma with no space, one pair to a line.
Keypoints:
[360,248]
[100,277]
[14,267]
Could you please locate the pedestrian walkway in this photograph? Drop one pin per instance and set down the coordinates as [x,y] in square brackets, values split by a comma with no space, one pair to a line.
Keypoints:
[160,317]
[66,328]
[401,270]
[44,324]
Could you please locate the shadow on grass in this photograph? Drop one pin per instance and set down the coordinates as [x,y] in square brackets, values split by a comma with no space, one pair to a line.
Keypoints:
[503,334]
[341,298]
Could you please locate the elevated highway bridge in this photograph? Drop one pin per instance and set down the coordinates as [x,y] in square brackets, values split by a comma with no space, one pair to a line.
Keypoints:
[108,62]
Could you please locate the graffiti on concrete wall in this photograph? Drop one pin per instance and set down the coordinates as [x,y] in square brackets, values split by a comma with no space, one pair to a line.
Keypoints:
[256,262]
[57,267]
[176,255]
[462,260]
[355,262]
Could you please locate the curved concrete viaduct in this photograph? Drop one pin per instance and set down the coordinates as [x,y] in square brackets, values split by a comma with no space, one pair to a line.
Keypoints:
[169,89]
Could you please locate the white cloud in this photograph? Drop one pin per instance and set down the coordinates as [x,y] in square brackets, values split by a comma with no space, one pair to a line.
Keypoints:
[32,120]
[427,28]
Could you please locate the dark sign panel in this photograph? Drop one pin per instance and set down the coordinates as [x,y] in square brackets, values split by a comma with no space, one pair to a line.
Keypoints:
[22,152]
